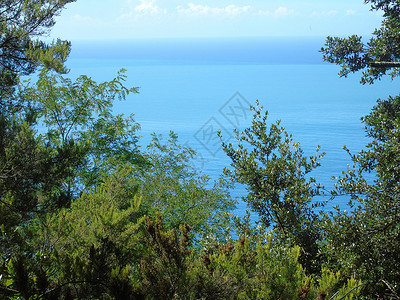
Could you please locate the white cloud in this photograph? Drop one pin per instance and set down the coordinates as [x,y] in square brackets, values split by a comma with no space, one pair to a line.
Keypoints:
[197,10]
[350,12]
[324,13]
[279,12]
[147,7]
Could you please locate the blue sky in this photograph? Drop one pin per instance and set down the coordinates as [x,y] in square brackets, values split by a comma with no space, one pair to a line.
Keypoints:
[128,19]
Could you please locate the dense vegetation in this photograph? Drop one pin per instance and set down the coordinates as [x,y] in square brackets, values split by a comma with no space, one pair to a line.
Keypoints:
[86,214]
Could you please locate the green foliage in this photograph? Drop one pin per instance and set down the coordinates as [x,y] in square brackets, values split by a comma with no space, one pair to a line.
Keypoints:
[31,182]
[20,23]
[368,237]
[251,268]
[182,194]
[90,249]
[110,211]
[50,56]
[31,174]
[80,112]
[112,142]
[256,269]
[74,197]
[85,215]
[70,107]
[365,241]
[276,174]
[43,173]
[347,52]
[389,7]
[165,268]
[355,55]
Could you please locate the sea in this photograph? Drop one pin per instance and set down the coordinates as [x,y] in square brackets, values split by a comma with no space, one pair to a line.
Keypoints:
[197,86]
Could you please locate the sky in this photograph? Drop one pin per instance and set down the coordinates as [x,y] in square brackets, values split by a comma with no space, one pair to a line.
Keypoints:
[130,19]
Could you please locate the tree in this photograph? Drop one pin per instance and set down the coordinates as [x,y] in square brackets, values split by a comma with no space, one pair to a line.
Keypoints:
[377,57]
[365,241]
[25,162]
[27,166]
[90,249]
[24,159]
[46,171]
[42,173]
[170,186]
[276,174]
[22,22]
[255,267]
[79,113]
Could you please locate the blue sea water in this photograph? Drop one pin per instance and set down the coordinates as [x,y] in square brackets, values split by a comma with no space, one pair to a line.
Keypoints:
[198,86]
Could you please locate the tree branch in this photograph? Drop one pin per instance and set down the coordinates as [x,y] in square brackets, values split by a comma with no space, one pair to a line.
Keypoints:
[384,64]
